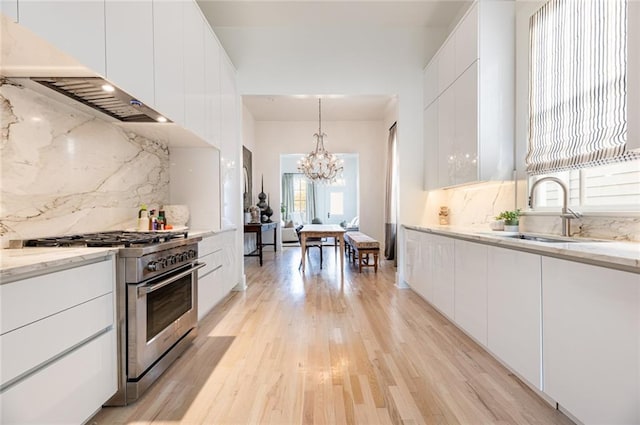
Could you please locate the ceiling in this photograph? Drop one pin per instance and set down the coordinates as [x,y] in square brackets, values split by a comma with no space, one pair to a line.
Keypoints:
[425,13]
[328,13]
[305,108]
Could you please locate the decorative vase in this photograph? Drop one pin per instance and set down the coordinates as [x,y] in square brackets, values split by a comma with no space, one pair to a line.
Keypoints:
[511,226]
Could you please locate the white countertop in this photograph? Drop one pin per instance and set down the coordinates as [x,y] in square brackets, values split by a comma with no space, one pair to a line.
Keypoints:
[25,262]
[22,262]
[613,254]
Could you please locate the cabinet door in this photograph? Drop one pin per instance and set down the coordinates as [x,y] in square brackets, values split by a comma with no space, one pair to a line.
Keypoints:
[465,146]
[446,65]
[75,27]
[193,48]
[591,341]
[514,297]
[229,151]
[430,161]
[466,41]
[130,68]
[430,81]
[446,137]
[212,94]
[412,253]
[168,59]
[442,274]
[471,289]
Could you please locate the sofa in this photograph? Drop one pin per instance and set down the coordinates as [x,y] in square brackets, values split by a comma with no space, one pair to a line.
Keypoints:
[288,228]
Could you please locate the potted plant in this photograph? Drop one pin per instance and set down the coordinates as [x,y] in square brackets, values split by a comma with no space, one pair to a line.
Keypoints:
[511,220]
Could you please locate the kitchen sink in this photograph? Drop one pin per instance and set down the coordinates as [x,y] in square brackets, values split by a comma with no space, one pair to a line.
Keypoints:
[544,238]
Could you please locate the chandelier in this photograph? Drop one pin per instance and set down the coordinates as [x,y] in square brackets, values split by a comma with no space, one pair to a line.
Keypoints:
[320,166]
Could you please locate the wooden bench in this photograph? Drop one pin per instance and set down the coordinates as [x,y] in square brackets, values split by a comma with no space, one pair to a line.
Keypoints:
[359,246]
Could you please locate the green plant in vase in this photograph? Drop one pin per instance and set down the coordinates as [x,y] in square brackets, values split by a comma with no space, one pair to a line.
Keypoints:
[511,219]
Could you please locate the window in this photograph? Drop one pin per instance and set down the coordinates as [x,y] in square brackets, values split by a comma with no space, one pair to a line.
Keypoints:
[299,194]
[578,105]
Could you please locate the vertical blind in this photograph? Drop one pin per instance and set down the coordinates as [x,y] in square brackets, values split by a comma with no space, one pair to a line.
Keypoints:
[577,85]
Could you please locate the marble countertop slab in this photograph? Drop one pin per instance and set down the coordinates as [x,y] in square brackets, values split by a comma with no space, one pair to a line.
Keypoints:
[611,254]
[27,262]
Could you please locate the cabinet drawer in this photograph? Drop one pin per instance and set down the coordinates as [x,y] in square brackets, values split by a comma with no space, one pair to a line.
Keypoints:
[69,391]
[26,301]
[209,245]
[214,261]
[28,347]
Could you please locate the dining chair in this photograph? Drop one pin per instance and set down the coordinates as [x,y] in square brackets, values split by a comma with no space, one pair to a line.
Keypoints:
[310,242]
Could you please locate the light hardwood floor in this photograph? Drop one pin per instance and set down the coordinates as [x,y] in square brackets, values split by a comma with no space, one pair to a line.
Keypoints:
[297,349]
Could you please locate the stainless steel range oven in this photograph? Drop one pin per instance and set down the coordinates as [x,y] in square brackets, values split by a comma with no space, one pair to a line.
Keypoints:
[156,300]
[160,288]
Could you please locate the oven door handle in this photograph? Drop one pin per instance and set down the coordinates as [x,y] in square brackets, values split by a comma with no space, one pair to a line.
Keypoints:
[143,290]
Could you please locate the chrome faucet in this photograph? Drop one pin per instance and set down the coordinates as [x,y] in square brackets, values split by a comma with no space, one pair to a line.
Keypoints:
[566,215]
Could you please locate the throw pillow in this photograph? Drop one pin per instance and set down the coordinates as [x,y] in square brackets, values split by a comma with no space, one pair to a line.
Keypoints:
[289,224]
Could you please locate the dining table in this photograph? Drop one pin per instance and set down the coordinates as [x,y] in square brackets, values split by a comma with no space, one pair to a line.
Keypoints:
[323,231]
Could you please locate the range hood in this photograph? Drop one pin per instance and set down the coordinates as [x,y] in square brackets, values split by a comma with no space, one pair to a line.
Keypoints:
[102,96]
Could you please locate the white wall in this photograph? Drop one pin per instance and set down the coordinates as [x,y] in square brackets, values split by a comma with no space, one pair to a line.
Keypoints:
[365,138]
[295,60]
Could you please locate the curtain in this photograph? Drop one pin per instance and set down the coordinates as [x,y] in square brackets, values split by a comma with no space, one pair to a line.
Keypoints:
[577,85]
[391,197]
[287,195]
[311,201]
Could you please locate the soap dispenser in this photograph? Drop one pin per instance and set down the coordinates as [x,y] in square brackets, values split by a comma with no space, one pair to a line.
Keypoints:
[143,218]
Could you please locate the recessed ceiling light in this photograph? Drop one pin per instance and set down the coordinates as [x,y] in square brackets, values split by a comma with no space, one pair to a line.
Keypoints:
[161,119]
[108,88]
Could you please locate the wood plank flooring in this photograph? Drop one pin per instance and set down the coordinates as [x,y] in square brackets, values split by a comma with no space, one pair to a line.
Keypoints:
[297,349]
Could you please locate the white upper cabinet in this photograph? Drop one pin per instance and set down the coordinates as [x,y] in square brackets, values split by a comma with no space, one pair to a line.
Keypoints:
[464,160]
[194,64]
[129,47]
[75,27]
[212,93]
[431,88]
[479,61]
[430,117]
[168,38]
[466,40]
[9,8]
[446,65]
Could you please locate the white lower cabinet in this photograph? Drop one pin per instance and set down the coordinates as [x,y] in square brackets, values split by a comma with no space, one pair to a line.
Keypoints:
[58,345]
[412,258]
[429,268]
[218,277]
[471,289]
[441,273]
[591,341]
[514,300]
[210,287]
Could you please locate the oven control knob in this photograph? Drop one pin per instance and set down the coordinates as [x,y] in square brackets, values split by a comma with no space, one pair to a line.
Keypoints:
[172,259]
[162,263]
[193,253]
[184,257]
[152,267]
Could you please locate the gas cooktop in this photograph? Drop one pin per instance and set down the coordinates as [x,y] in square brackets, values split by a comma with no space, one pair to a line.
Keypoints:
[106,239]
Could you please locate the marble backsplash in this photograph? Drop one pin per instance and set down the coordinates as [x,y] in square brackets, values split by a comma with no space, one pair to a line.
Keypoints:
[474,206]
[65,171]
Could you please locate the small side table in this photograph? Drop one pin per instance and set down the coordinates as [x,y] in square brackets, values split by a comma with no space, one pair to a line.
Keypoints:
[258,229]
